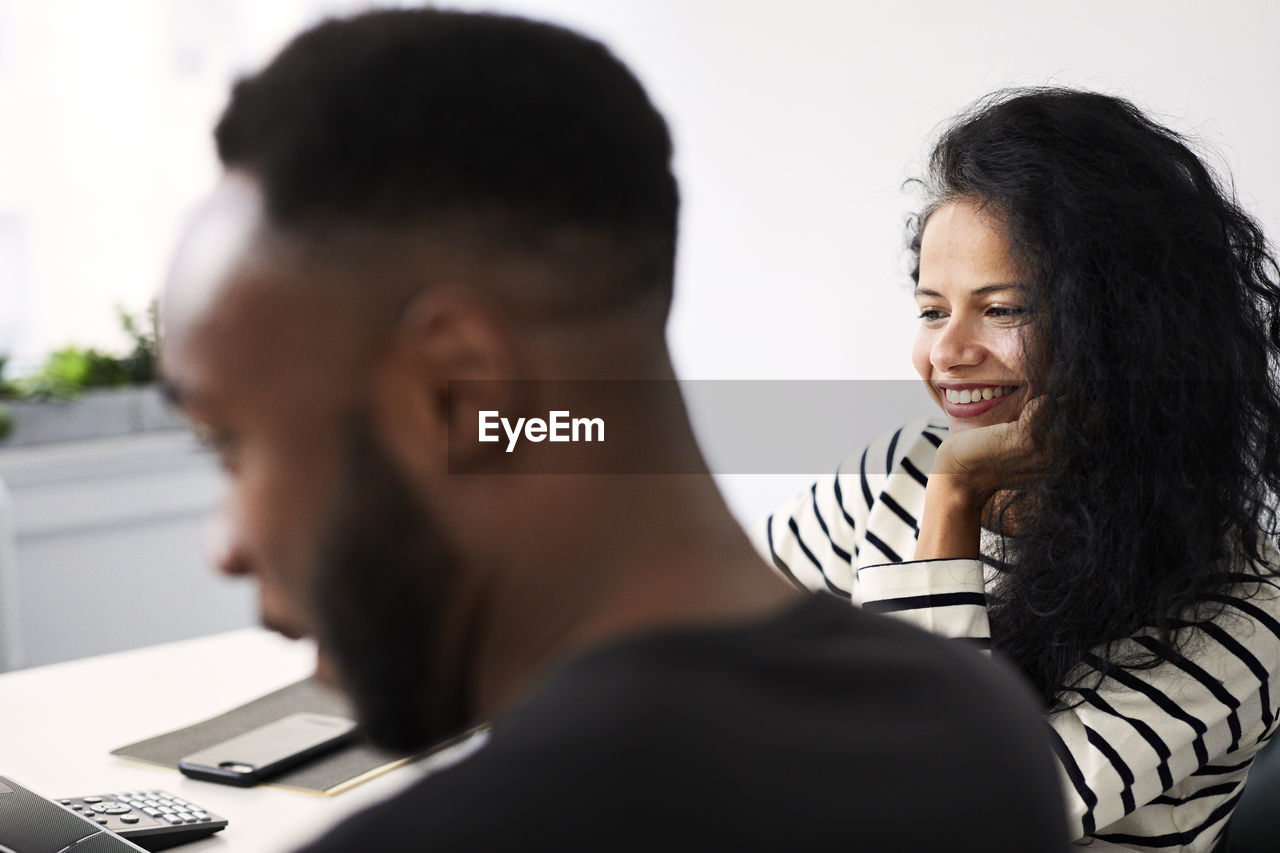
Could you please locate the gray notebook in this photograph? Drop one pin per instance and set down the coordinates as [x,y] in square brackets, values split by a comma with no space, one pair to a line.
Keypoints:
[330,773]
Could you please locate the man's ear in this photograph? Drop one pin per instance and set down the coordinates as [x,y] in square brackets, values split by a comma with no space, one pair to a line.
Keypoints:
[450,357]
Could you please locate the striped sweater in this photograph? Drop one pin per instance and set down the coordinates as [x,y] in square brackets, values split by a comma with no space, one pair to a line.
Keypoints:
[1151,759]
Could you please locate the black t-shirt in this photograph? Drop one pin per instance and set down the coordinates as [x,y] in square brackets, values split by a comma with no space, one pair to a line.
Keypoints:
[823,728]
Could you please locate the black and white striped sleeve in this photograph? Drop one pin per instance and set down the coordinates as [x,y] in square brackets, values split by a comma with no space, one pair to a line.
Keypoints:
[814,539]
[1177,737]
[945,597]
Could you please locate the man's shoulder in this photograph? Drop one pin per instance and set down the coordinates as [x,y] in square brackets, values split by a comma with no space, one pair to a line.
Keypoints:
[772,682]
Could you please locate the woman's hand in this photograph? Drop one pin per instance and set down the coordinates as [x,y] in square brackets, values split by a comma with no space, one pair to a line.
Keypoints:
[970,467]
[979,462]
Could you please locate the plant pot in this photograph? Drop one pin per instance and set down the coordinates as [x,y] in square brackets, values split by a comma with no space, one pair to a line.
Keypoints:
[101,413]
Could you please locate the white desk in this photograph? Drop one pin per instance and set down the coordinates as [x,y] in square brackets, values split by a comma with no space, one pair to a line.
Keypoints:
[58,724]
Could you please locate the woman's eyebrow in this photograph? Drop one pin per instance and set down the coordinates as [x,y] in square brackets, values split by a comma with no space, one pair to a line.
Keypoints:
[994,288]
[989,288]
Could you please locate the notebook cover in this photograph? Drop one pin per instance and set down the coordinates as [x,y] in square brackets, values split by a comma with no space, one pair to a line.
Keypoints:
[327,774]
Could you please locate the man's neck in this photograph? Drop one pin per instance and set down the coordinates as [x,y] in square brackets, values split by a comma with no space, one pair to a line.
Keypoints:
[657,552]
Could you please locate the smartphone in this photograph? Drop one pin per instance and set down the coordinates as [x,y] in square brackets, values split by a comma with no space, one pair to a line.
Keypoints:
[257,755]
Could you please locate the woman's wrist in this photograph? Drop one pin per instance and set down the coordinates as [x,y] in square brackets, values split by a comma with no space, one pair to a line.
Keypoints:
[951,525]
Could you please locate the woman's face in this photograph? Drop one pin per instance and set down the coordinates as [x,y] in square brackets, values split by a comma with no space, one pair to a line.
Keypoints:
[969,348]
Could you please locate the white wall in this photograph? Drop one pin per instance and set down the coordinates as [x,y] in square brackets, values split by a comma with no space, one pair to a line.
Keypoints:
[109,548]
[795,123]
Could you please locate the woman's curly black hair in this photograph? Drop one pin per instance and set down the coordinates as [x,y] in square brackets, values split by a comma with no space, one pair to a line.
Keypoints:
[1155,315]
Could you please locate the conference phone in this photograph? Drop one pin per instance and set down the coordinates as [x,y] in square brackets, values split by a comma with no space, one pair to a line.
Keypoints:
[102,823]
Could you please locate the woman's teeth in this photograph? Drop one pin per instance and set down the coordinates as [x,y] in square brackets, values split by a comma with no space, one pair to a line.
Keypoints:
[977,394]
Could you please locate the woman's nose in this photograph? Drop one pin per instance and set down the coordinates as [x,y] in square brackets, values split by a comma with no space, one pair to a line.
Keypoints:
[959,345]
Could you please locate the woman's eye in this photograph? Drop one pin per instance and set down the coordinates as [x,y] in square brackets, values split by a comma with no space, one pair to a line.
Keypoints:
[931,315]
[1007,312]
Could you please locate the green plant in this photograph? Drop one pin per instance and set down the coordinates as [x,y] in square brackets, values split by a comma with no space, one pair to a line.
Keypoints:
[73,369]
[140,363]
[7,388]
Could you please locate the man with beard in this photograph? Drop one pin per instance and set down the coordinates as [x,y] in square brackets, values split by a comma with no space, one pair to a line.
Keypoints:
[418,207]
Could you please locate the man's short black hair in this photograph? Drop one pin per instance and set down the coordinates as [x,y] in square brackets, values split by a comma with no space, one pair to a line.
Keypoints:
[415,115]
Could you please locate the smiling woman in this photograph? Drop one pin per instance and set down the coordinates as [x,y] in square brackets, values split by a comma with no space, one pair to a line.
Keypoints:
[1099,321]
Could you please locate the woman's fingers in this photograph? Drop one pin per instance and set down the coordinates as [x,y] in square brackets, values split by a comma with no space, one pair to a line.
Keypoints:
[990,458]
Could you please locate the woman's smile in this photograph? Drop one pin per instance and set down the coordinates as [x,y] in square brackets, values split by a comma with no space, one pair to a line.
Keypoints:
[971,399]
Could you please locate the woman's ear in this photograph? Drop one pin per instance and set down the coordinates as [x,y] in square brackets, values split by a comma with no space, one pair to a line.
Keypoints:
[450,357]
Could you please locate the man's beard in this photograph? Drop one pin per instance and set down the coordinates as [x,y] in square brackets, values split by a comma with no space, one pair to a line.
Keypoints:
[383,580]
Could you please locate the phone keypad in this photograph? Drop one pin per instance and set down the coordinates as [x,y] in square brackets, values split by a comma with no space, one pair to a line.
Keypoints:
[144,816]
